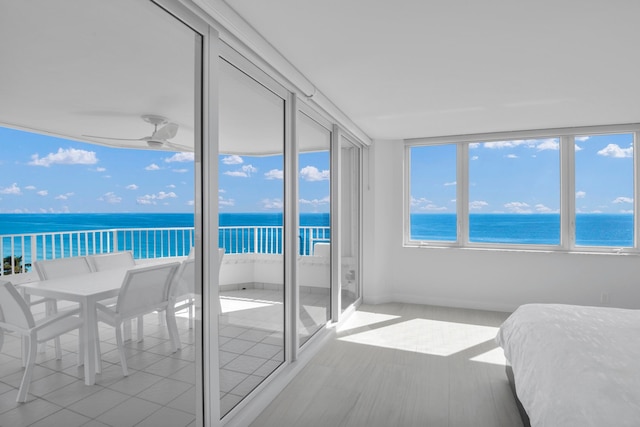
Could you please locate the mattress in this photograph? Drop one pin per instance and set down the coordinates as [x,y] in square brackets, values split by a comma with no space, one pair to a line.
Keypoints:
[574,365]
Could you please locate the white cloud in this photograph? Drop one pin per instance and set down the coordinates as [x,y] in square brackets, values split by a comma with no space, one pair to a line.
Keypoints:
[614,150]
[180,157]
[503,144]
[151,199]
[64,196]
[169,195]
[474,145]
[274,174]
[30,187]
[69,156]
[315,202]
[272,203]
[580,194]
[548,144]
[311,173]
[42,193]
[226,202]
[232,160]
[191,203]
[171,186]
[101,169]
[623,200]
[448,184]
[420,201]
[477,204]
[475,158]
[221,190]
[111,198]
[131,187]
[582,138]
[152,167]
[543,209]
[13,189]
[578,148]
[244,172]
[511,156]
[518,207]
[180,170]
[432,207]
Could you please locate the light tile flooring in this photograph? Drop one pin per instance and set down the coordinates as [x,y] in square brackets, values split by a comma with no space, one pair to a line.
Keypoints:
[251,337]
[159,390]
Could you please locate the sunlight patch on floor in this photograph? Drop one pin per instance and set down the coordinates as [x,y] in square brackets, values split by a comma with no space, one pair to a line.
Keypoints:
[426,336]
[495,357]
[230,304]
[361,319]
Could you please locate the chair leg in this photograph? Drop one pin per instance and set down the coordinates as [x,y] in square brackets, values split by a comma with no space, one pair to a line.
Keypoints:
[98,351]
[80,347]
[174,337]
[140,323]
[28,372]
[120,343]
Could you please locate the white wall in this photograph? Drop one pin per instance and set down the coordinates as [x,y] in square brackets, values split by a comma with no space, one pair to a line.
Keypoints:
[486,279]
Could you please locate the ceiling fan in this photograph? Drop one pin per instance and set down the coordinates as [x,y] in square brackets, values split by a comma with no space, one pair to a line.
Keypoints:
[158,138]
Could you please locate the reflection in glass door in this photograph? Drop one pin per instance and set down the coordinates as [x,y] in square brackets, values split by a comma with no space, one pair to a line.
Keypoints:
[314,203]
[349,223]
[251,195]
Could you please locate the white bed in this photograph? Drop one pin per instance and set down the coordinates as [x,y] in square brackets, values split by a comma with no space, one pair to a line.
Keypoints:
[574,365]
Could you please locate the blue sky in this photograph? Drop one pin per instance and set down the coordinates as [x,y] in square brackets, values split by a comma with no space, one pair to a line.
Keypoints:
[43,174]
[255,184]
[523,176]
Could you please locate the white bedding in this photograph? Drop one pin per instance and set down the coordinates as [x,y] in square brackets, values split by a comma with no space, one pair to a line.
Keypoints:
[575,366]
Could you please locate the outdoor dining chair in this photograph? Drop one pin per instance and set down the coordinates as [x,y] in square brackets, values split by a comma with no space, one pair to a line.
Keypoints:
[114,261]
[53,269]
[144,290]
[15,316]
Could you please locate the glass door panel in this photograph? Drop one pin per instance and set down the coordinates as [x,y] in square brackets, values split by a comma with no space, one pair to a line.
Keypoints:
[314,206]
[349,223]
[251,203]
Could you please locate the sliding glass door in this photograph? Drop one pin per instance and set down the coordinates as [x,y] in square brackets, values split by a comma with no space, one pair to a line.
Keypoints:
[314,207]
[350,166]
[251,233]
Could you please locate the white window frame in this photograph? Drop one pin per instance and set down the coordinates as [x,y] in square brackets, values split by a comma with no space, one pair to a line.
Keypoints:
[566,137]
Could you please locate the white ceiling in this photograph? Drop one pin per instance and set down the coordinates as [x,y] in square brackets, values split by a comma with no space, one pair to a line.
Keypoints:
[408,68]
[398,69]
[90,67]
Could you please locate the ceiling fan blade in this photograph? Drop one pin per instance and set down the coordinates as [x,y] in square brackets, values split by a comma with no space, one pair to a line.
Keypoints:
[167,131]
[114,139]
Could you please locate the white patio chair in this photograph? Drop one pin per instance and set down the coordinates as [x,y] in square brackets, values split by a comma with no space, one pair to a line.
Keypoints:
[111,261]
[183,289]
[53,269]
[114,261]
[144,290]
[15,316]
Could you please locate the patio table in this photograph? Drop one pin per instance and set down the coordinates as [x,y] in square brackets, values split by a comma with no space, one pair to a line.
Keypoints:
[87,290]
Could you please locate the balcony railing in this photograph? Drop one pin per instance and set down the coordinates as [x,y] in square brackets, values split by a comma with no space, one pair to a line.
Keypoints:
[19,251]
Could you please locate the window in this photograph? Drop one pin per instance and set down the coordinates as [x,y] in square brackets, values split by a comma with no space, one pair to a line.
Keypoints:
[556,189]
[514,191]
[432,186]
[604,190]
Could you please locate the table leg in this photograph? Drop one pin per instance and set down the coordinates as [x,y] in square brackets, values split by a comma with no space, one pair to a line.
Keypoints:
[89,315]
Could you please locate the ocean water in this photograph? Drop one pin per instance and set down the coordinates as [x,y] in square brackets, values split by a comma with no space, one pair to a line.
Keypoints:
[614,230]
[45,223]
[239,233]
[591,229]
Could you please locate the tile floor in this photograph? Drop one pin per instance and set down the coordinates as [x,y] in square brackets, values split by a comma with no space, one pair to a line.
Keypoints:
[159,390]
